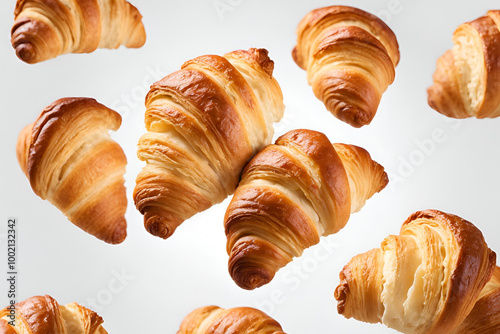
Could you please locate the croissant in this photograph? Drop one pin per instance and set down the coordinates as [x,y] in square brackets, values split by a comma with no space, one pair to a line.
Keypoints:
[467,77]
[45,29]
[485,316]
[241,320]
[43,315]
[204,122]
[350,58]
[290,195]
[426,280]
[71,160]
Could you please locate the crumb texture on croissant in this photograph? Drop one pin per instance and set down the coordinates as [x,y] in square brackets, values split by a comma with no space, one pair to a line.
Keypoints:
[291,194]
[350,58]
[204,123]
[425,280]
[71,161]
[45,29]
[242,320]
[467,77]
[43,315]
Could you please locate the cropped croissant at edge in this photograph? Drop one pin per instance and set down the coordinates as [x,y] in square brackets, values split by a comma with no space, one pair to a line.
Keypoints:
[45,29]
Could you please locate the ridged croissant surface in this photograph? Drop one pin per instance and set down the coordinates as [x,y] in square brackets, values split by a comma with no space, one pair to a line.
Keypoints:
[71,161]
[205,123]
[350,58]
[485,316]
[43,315]
[241,320]
[45,29]
[425,280]
[290,195]
[467,77]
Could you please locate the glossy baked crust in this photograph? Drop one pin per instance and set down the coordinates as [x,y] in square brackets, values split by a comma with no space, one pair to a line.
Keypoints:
[43,315]
[467,77]
[204,122]
[425,280]
[350,58]
[71,161]
[45,29]
[291,194]
[241,320]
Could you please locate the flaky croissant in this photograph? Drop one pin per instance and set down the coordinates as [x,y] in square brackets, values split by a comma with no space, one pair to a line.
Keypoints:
[71,160]
[43,315]
[45,29]
[467,77]
[205,123]
[485,316]
[426,280]
[241,320]
[350,58]
[290,195]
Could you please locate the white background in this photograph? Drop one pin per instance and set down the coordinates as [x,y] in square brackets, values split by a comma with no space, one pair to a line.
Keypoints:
[171,278]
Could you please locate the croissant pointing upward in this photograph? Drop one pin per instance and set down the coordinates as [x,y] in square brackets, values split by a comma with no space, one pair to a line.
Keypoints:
[204,122]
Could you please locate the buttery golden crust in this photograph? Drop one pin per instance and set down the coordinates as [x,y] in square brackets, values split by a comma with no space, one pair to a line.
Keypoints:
[350,58]
[42,315]
[467,77]
[45,29]
[243,320]
[290,195]
[70,160]
[204,122]
[485,316]
[426,280]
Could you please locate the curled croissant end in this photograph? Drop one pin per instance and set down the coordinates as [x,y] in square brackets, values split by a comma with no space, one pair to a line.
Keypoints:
[204,122]
[71,161]
[46,29]
[485,316]
[290,195]
[350,58]
[42,314]
[425,280]
[242,320]
[466,81]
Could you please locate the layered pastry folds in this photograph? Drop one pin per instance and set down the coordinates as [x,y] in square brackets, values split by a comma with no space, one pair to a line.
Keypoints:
[204,123]
[291,194]
[427,279]
[241,320]
[350,58]
[45,29]
[71,161]
[467,77]
[43,315]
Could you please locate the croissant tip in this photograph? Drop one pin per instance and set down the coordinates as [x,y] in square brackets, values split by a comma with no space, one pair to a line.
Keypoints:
[354,116]
[26,52]
[118,236]
[158,227]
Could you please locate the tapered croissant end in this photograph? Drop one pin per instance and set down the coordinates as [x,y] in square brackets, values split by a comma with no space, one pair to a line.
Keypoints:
[163,225]
[137,35]
[23,147]
[253,262]
[30,39]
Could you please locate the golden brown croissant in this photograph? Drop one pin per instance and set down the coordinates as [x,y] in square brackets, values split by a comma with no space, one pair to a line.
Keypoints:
[43,315]
[71,160]
[426,280]
[205,123]
[290,195]
[241,320]
[467,77]
[45,29]
[485,316]
[350,58]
